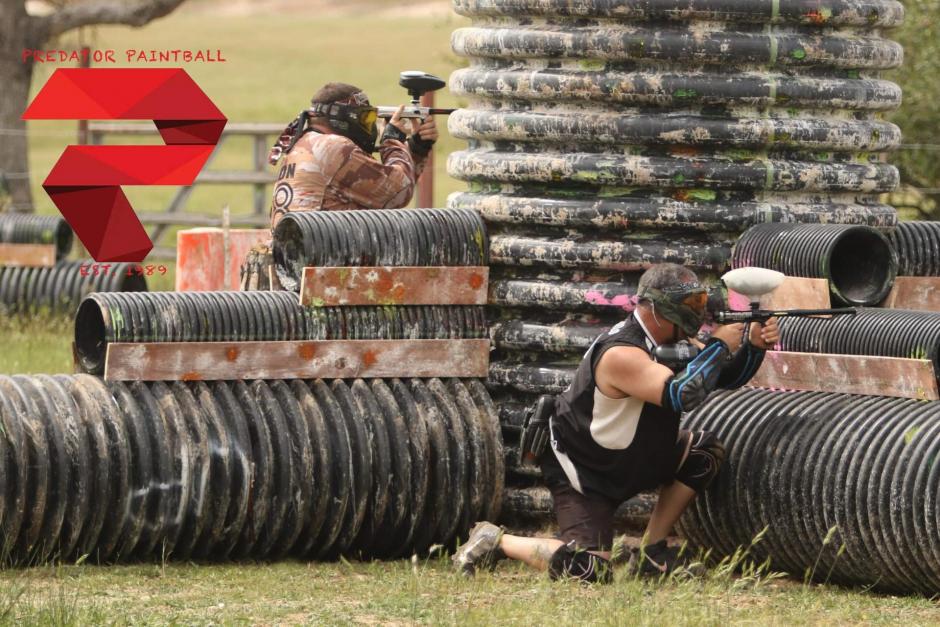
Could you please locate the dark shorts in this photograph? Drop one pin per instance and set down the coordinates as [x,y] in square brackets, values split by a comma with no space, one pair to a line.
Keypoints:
[586,519]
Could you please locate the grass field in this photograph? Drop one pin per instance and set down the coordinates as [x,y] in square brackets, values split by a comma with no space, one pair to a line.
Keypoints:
[422,592]
[275,61]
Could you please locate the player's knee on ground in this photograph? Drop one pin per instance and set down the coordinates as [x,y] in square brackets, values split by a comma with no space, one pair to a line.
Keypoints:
[705,457]
[579,564]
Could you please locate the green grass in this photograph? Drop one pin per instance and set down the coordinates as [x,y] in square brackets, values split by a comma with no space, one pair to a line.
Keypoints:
[426,592]
[36,344]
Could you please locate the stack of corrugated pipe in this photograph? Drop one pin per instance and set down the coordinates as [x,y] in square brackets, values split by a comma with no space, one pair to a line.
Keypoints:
[604,137]
[847,487]
[262,469]
[59,288]
[225,470]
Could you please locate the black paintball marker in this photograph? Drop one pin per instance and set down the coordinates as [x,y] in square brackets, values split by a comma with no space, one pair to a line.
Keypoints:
[417,83]
[753,283]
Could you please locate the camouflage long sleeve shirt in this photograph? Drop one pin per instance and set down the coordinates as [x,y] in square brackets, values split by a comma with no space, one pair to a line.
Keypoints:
[329,172]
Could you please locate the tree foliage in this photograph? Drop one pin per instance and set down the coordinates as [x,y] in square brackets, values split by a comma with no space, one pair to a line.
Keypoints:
[919,115]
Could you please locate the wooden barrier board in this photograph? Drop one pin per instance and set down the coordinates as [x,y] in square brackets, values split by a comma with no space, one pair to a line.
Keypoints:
[27,255]
[848,374]
[793,293]
[327,359]
[384,285]
[914,292]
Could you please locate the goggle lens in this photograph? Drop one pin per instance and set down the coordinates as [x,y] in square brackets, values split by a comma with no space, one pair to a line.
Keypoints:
[367,117]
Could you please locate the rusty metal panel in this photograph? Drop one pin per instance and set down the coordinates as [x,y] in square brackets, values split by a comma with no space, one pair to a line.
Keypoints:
[27,255]
[390,285]
[915,292]
[326,359]
[848,374]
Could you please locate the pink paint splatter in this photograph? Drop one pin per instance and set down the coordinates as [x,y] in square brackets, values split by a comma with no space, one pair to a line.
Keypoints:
[738,302]
[624,301]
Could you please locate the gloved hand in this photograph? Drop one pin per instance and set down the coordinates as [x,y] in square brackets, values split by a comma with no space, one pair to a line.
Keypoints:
[395,128]
[535,431]
[423,135]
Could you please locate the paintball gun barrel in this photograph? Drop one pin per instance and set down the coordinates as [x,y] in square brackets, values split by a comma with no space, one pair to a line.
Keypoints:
[417,83]
[762,315]
[412,111]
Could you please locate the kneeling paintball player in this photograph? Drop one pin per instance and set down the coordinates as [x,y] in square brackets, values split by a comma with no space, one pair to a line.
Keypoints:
[614,432]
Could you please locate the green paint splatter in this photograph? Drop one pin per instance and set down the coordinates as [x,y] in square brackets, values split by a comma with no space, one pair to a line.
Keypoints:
[740,154]
[799,53]
[592,65]
[316,302]
[685,94]
[707,195]
[612,191]
[911,434]
[919,353]
[478,238]
[679,178]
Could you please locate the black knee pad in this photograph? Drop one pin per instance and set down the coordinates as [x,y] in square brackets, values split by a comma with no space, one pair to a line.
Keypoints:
[705,457]
[579,564]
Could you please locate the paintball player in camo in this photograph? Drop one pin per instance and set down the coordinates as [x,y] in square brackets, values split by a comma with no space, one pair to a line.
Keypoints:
[614,432]
[328,162]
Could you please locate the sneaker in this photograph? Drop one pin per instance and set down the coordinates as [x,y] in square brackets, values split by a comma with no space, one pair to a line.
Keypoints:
[480,549]
[658,559]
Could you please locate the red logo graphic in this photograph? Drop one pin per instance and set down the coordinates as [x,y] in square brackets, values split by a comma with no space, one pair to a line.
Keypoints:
[85,182]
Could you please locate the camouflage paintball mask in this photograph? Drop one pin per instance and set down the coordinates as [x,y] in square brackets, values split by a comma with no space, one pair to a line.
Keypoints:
[683,304]
[352,117]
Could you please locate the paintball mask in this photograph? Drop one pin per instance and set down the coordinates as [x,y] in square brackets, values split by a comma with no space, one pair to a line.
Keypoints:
[353,118]
[683,304]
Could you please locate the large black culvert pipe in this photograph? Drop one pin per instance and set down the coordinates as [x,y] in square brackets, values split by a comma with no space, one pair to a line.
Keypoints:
[863,13]
[400,237]
[858,261]
[568,336]
[846,487]
[652,129]
[309,469]
[62,287]
[918,246]
[777,175]
[25,228]
[710,212]
[254,316]
[885,332]
[630,254]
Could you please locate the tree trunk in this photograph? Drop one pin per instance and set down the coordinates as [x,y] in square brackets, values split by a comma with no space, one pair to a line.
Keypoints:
[15,76]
